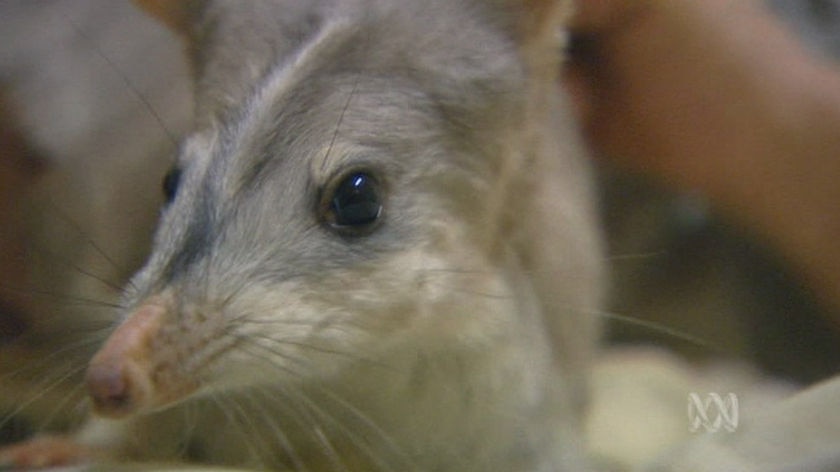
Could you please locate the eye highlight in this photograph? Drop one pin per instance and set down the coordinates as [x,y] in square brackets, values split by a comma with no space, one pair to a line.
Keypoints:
[171,181]
[355,202]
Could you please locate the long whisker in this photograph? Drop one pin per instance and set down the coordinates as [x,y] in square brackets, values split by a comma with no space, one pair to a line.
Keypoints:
[264,450]
[351,434]
[637,256]
[286,444]
[349,408]
[371,425]
[429,276]
[651,326]
[42,391]
[61,297]
[75,392]
[249,342]
[281,435]
[223,407]
[56,258]
[321,438]
[350,355]
[70,347]
[340,120]
[190,426]
[306,421]
[659,328]
[125,79]
[90,242]
[335,322]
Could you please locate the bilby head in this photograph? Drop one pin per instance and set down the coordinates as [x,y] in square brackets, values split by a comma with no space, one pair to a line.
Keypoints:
[384,200]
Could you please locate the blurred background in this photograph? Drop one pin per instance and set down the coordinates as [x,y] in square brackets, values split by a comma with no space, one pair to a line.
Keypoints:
[93,95]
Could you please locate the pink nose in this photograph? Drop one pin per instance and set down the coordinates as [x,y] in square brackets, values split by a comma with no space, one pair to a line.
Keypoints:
[111,389]
[119,377]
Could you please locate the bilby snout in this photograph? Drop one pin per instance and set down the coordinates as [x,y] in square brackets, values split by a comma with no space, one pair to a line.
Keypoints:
[123,378]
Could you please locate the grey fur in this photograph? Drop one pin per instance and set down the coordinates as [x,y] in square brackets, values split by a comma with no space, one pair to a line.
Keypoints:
[454,335]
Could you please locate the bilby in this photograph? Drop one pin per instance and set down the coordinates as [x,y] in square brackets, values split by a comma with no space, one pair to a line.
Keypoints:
[379,250]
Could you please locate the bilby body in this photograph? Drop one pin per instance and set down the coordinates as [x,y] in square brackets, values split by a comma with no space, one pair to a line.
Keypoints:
[379,251]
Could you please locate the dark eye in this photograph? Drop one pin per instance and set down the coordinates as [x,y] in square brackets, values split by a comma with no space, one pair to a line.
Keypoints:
[355,202]
[170,183]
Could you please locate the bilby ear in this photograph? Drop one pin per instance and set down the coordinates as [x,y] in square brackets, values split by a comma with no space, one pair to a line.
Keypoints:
[541,18]
[175,14]
[530,20]
[537,27]
[555,236]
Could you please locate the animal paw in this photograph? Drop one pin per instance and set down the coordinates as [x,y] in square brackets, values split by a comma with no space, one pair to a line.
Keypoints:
[44,451]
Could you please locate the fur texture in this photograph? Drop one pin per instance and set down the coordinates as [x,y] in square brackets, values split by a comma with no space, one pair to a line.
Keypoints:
[444,337]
